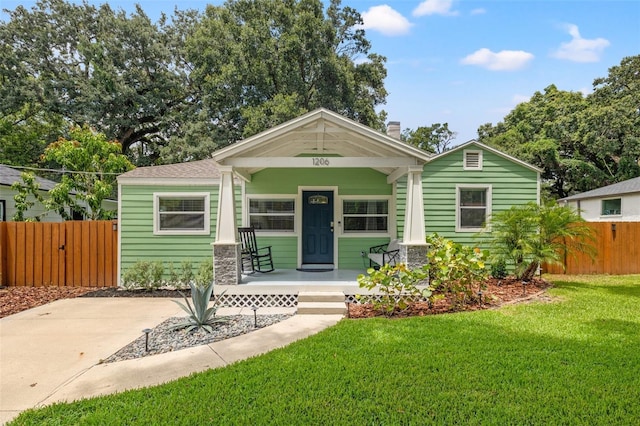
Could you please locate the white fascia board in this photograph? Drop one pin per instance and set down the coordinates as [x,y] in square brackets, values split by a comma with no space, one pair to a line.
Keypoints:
[321,162]
[321,113]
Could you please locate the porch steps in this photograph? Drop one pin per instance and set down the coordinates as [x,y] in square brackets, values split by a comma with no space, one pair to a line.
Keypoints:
[321,303]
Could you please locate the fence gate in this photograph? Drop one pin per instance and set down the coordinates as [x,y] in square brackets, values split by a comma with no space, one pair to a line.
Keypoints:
[73,253]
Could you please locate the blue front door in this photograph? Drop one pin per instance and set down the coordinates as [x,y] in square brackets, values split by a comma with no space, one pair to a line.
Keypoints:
[317,227]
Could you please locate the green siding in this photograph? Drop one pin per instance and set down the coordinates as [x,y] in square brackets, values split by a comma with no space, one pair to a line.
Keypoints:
[512,184]
[348,181]
[284,250]
[136,228]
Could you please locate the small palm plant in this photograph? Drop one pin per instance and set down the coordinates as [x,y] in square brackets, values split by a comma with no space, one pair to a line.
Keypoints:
[200,314]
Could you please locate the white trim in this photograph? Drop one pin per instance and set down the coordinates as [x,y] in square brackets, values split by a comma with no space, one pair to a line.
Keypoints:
[391,216]
[207,213]
[320,162]
[298,219]
[329,116]
[465,165]
[246,214]
[488,207]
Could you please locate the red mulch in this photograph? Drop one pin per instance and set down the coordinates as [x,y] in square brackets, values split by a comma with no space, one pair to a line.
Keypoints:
[496,293]
[17,299]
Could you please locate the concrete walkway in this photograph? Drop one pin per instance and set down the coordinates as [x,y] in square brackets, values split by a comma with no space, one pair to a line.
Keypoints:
[52,353]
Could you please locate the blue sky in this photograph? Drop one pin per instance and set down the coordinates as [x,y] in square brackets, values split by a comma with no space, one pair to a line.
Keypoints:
[470,62]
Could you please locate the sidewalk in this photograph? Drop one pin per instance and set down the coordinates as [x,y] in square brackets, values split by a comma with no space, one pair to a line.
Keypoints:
[51,353]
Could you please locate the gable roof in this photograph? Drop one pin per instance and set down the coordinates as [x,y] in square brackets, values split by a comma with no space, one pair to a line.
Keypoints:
[474,142]
[320,133]
[201,169]
[9,175]
[625,187]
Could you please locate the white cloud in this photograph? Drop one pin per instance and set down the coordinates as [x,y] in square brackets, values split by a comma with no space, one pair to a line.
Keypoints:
[580,49]
[435,7]
[518,99]
[478,11]
[385,20]
[586,91]
[505,60]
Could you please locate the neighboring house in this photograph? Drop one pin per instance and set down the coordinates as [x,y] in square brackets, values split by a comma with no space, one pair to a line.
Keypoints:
[613,203]
[320,189]
[10,175]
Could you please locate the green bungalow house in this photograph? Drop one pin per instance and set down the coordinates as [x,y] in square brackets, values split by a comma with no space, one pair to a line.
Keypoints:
[321,190]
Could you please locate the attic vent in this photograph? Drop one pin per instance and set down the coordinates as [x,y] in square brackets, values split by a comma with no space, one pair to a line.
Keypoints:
[473,160]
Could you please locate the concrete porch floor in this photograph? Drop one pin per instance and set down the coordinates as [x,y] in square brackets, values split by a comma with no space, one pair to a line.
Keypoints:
[293,281]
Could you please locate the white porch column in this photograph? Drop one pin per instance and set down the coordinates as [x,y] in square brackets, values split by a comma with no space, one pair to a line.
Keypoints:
[226,221]
[226,250]
[414,214]
[413,248]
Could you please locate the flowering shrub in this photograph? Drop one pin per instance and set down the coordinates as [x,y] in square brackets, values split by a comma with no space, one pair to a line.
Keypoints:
[455,269]
[397,284]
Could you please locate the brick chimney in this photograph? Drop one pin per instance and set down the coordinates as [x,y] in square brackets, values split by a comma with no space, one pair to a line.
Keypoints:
[393,129]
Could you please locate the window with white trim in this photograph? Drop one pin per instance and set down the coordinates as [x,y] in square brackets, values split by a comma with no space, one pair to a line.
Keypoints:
[278,214]
[612,207]
[473,207]
[366,215]
[472,160]
[3,211]
[181,213]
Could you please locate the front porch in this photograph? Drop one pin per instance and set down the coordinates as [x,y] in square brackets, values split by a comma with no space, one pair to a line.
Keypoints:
[281,287]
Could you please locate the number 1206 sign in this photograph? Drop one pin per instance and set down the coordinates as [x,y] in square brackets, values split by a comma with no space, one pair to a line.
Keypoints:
[320,161]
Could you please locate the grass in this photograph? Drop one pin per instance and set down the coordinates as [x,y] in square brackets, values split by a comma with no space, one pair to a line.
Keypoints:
[573,360]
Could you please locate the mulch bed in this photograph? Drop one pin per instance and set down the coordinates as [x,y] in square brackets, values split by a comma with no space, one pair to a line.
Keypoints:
[17,299]
[496,293]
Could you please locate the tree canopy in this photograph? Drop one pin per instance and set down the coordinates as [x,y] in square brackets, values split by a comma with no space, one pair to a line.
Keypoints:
[179,88]
[435,139]
[581,143]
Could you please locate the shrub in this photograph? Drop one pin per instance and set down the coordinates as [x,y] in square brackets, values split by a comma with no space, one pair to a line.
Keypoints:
[499,269]
[531,234]
[397,284]
[184,276]
[143,275]
[455,269]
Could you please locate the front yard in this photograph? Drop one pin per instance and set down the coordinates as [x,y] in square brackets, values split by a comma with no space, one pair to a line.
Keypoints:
[572,359]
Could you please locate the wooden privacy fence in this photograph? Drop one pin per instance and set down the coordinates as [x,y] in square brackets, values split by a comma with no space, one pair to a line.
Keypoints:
[73,253]
[618,251]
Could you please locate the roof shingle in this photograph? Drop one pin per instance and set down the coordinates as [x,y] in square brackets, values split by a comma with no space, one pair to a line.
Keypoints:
[202,169]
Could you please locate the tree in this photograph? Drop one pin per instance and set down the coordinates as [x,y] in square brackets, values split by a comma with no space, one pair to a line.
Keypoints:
[93,163]
[434,139]
[92,65]
[261,62]
[528,235]
[25,133]
[580,143]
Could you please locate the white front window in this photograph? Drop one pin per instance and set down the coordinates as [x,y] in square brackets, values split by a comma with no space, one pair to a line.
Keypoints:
[272,214]
[365,216]
[473,207]
[181,213]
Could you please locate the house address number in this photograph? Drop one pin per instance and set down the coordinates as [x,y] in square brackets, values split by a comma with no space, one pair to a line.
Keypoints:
[319,162]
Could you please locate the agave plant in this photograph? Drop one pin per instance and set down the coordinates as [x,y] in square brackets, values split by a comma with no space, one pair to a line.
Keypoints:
[200,314]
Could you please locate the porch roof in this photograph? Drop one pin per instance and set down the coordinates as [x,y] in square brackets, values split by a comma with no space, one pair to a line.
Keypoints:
[320,133]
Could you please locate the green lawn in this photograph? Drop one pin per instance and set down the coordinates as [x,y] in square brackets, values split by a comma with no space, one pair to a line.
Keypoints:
[574,360]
